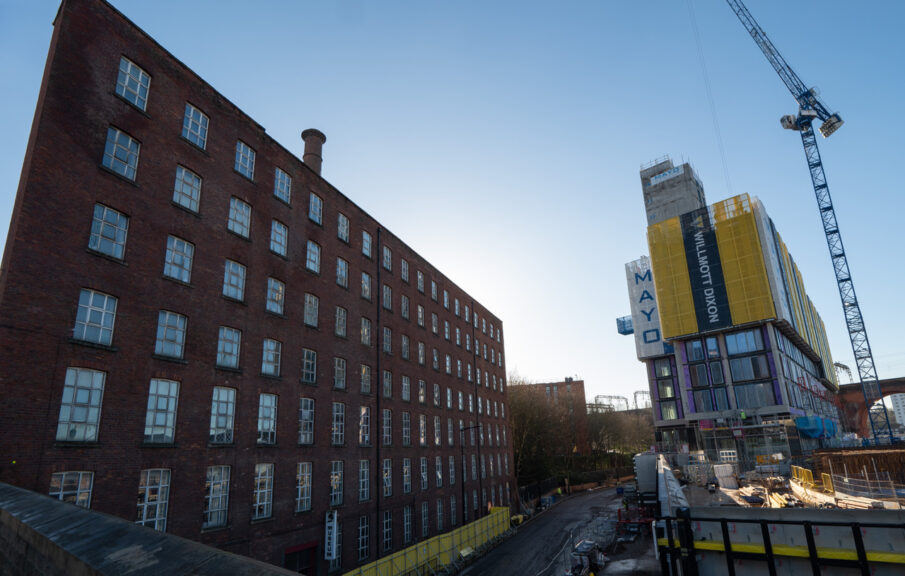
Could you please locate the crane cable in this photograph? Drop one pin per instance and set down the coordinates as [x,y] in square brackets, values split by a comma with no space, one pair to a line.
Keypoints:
[716,123]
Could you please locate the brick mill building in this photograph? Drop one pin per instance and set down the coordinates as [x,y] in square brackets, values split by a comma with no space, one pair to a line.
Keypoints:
[200,333]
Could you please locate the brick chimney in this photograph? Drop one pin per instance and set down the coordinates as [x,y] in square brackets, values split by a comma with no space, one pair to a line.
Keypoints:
[314,141]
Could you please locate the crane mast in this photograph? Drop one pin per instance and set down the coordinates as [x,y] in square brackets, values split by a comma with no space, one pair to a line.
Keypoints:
[810,108]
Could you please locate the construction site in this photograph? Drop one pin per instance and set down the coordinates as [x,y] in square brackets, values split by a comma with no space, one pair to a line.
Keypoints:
[766,461]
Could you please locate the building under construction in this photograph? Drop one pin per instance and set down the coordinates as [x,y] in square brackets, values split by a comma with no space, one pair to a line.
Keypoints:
[737,357]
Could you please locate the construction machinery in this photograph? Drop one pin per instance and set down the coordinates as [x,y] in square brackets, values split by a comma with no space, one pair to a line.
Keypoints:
[811,109]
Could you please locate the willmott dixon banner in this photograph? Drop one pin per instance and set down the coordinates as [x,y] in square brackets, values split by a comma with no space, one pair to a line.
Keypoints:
[705,271]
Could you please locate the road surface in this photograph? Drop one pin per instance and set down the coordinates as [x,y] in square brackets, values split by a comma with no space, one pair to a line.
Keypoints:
[541,547]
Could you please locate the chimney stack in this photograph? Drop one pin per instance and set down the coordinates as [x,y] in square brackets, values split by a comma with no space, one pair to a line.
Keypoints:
[314,141]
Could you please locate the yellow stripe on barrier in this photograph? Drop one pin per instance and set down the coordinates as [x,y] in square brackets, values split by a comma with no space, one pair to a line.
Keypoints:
[795,551]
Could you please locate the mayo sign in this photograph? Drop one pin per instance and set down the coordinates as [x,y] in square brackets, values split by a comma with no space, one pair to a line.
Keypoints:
[671,173]
[645,314]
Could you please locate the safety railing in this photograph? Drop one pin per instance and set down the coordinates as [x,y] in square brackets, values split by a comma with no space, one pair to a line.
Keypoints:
[684,537]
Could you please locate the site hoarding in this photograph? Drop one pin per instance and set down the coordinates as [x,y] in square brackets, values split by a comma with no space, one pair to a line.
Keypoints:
[729,255]
[645,314]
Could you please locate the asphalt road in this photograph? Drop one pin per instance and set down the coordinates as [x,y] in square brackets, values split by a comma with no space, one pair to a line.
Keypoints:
[541,547]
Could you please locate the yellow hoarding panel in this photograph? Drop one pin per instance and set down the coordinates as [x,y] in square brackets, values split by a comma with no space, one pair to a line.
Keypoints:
[667,251]
[742,258]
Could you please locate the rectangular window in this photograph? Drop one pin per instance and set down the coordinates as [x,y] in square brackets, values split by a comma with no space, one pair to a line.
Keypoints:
[438,469]
[270,361]
[279,237]
[223,409]
[342,228]
[662,368]
[439,515]
[194,126]
[422,429]
[282,185]
[339,373]
[425,525]
[309,366]
[668,410]
[437,432]
[228,346]
[267,419]
[303,487]
[406,389]
[366,243]
[452,510]
[407,524]
[245,160]
[365,331]
[387,259]
[342,273]
[160,418]
[420,281]
[365,286]
[421,354]
[749,368]
[404,305]
[365,379]
[387,426]
[234,280]
[446,300]
[387,477]
[178,263]
[456,306]
[315,208]
[387,340]
[133,83]
[239,220]
[433,290]
[276,292]
[80,410]
[387,297]
[340,327]
[313,261]
[364,425]
[263,496]
[216,497]
[311,306]
[187,189]
[434,323]
[108,231]
[420,315]
[153,498]
[698,375]
[406,429]
[364,538]
[170,339]
[744,342]
[338,424]
[364,480]
[406,347]
[95,317]
[422,392]
[754,395]
[121,153]
[716,373]
[72,487]
[404,270]
[424,473]
[452,470]
[387,530]
[336,482]
[406,475]
[306,421]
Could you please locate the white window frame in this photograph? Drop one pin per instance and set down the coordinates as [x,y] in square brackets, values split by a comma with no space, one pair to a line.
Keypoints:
[223,413]
[229,347]
[270,357]
[267,419]
[160,417]
[81,405]
[306,421]
[153,498]
[245,160]
[303,487]
[170,339]
[178,261]
[121,153]
[95,317]
[109,230]
[279,237]
[315,208]
[239,220]
[194,126]
[262,506]
[216,497]
[276,295]
[282,185]
[187,189]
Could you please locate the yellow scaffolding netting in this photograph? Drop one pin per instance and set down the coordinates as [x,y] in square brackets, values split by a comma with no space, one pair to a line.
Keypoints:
[430,555]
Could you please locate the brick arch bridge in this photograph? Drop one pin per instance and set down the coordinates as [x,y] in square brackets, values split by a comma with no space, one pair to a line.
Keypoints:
[851,398]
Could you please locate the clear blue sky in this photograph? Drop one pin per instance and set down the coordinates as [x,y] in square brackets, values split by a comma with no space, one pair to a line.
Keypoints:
[502,140]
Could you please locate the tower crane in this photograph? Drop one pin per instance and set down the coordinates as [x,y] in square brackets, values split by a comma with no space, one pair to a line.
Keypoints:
[810,108]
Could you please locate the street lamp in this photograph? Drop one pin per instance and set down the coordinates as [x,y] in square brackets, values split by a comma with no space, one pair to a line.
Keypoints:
[464,467]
